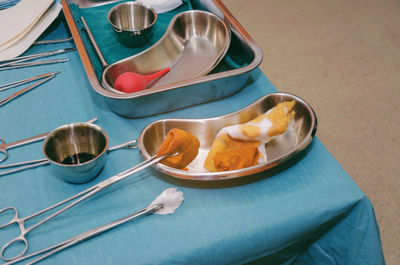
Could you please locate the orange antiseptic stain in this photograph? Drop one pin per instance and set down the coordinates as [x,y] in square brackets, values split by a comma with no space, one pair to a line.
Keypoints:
[223,145]
[228,153]
[181,142]
[250,131]
[280,118]
[236,159]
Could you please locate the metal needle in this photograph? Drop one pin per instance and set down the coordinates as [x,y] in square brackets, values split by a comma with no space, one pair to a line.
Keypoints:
[21,65]
[34,56]
[24,81]
[23,91]
[52,41]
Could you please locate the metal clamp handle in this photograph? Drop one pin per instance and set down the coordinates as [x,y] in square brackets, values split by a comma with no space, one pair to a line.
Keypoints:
[13,220]
[20,238]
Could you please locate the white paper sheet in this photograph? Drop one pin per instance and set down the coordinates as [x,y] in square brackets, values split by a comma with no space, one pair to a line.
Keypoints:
[26,41]
[16,21]
[162,6]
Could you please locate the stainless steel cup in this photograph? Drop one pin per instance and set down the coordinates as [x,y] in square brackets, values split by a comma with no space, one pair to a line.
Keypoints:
[77,151]
[132,22]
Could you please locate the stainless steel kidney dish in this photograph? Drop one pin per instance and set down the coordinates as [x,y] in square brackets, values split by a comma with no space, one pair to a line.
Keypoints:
[279,150]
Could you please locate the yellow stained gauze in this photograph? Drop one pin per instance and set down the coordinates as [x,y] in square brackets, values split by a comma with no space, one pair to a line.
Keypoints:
[243,145]
[185,144]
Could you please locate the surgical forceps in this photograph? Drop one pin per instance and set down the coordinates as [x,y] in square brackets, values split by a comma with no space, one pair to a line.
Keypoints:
[4,147]
[79,197]
[86,235]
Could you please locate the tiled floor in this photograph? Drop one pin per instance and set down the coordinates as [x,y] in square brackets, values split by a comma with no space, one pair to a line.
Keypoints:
[343,57]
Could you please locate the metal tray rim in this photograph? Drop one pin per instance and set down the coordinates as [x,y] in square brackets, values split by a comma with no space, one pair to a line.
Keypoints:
[112,93]
[232,23]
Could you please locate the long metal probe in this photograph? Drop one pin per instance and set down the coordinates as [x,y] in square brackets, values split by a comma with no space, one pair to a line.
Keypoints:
[23,91]
[35,56]
[39,42]
[96,48]
[20,65]
[21,82]
[24,166]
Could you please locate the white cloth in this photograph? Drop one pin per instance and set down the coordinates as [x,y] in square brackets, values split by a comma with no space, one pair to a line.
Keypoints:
[18,20]
[170,199]
[162,6]
[26,41]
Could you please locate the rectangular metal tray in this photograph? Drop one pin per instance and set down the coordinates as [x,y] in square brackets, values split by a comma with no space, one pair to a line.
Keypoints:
[223,82]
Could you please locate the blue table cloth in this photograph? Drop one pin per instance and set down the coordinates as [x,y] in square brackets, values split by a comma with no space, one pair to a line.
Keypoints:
[307,211]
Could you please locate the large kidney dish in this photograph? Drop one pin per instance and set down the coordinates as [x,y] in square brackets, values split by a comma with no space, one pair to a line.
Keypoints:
[280,149]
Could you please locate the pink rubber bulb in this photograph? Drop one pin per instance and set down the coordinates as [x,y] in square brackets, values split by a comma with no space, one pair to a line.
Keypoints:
[129,82]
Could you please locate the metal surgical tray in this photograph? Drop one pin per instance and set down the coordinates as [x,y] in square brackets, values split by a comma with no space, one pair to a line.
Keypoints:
[224,81]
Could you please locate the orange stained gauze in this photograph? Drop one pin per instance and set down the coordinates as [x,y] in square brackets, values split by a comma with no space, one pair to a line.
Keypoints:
[227,149]
[185,144]
[250,131]
[236,159]
[228,153]
[279,116]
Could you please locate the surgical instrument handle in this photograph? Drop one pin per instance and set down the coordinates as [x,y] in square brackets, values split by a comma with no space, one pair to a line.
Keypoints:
[86,235]
[79,197]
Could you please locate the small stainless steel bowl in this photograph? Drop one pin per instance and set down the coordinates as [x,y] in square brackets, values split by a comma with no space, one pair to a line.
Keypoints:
[76,151]
[132,22]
